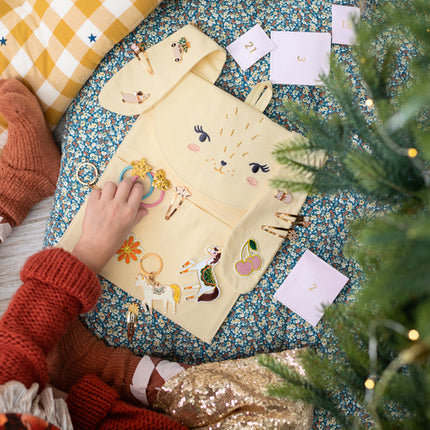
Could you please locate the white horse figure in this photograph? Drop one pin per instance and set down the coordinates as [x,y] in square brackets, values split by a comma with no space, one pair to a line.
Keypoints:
[207,284]
[156,291]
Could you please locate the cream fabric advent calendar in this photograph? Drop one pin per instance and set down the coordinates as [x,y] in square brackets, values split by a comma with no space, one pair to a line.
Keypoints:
[208,158]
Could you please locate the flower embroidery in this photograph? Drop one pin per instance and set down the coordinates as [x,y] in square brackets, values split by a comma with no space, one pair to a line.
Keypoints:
[130,249]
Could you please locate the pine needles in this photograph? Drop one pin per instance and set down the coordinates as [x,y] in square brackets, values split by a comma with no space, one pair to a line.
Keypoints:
[384,155]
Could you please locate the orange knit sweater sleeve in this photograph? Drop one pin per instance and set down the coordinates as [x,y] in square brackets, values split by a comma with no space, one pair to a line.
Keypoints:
[95,405]
[56,288]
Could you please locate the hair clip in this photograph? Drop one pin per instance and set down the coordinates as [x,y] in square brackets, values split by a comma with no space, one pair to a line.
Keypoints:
[92,183]
[139,169]
[143,57]
[132,314]
[273,230]
[156,203]
[136,97]
[160,180]
[297,219]
[181,194]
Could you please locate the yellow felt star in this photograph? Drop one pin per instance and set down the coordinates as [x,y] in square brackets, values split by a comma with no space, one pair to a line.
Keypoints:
[160,182]
[140,168]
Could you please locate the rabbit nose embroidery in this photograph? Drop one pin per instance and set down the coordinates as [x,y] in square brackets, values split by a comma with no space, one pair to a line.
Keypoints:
[221,166]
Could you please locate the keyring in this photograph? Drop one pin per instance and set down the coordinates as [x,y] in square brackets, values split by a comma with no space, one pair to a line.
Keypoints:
[96,174]
[150,176]
[151,274]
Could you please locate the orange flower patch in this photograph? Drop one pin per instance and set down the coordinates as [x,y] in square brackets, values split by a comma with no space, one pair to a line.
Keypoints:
[130,249]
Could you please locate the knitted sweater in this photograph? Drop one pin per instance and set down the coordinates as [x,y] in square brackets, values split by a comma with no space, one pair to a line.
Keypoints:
[56,288]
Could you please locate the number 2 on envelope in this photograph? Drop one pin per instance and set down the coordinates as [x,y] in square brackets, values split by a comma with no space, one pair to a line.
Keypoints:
[313,287]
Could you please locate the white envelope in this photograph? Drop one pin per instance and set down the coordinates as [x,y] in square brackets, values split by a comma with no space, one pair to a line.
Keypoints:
[250,47]
[311,284]
[341,24]
[299,58]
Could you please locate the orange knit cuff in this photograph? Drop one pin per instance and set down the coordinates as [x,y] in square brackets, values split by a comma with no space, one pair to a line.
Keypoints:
[89,401]
[60,269]
[26,360]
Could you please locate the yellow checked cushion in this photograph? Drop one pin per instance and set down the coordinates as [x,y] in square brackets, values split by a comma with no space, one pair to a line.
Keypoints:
[54,45]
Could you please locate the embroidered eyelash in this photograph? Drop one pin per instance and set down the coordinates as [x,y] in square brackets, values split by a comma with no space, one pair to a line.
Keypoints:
[256,167]
[203,135]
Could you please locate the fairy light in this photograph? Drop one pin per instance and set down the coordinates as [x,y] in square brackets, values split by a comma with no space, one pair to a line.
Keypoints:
[369,384]
[369,102]
[412,152]
[413,335]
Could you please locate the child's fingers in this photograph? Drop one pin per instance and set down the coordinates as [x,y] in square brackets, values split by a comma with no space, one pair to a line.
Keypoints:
[95,194]
[136,193]
[123,190]
[141,213]
[108,191]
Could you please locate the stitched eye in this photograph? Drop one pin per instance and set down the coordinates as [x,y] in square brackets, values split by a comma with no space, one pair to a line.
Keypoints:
[203,135]
[255,167]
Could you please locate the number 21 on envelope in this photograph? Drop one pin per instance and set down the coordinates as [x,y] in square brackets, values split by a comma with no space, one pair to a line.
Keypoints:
[250,47]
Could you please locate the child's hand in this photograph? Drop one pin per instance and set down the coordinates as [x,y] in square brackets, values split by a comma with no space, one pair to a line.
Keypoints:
[110,215]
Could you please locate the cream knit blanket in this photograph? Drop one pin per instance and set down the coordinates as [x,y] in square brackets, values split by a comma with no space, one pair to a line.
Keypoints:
[16,398]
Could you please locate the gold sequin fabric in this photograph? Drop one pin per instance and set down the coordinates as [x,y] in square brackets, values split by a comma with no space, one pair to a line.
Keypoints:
[233,395]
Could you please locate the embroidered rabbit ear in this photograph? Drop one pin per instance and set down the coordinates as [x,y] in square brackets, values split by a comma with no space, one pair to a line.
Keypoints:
[146,79]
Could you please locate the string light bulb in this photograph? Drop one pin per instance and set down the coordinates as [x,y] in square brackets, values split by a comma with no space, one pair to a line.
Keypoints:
[369,384]
[412,152]
[413,334]
[369,102]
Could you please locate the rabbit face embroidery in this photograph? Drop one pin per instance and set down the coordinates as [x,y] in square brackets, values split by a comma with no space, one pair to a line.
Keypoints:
[222,150]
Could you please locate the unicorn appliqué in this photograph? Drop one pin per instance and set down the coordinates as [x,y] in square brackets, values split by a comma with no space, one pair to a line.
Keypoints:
[207,289]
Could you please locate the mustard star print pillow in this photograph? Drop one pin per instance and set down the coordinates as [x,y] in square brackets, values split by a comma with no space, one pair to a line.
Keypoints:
[54,45]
